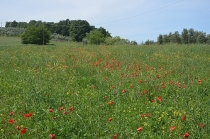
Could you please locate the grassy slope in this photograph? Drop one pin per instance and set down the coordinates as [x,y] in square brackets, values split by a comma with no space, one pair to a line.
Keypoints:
[37,78]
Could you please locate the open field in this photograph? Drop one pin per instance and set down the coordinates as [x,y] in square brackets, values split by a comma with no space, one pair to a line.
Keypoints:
[68,90]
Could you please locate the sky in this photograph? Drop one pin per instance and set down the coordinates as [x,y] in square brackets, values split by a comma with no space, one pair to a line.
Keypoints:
[136,20]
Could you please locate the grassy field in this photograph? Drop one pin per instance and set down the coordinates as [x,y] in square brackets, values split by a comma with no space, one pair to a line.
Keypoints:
[67,90]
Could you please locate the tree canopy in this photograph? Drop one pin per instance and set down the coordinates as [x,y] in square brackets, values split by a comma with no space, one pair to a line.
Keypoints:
[35,35]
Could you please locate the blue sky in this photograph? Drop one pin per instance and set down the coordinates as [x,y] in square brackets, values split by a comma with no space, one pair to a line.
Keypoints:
[137,20]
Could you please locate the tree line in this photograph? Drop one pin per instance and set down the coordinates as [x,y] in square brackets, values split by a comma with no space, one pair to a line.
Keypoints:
[188,36]
[70,30]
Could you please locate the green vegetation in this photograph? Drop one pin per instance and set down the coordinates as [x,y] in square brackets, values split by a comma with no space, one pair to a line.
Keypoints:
[67,90]
[36,35]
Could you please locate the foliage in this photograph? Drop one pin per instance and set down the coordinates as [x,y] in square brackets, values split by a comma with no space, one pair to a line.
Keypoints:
[119,41]
[58,37]
[70,91]
[95,37]
[78,29]
[11,31]
[184,36]
[160,39]
[149,42]
[36,35]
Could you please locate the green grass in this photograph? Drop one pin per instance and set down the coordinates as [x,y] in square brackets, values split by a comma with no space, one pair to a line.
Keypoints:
[85,79]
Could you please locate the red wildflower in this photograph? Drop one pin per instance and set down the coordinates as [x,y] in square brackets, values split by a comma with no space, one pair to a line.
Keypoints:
[201,125]
[139,129]
[199,81]
[115,136]
[110,103]
[65,112]
[109,119]
[140,81]
[23,131]
[146,91]
[94,86]
[18,127]
[142,115]
[184,118]
[11,113]
[159,99]
[149,114]
[152,100]
[124,91]
[28,115]
[11,121]
[50,110]
[172,128]
[52,136]
[61,108]
[186,135]
[54,118]
[71,109]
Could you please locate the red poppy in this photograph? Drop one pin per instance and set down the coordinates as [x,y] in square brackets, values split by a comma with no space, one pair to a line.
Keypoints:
[71,109]
[65,112]
[61,108]
[139,129]
[199,81]
[23,131]
[94,86]
[201,125]
[11,113]
[146,91]
[172,128]
[140,81]
[109,119]
[159,99]
[124,91]
[18,127]
[50,110]
[186,135]
[115,136]
[52,136]
[11,121]
[184,118]
[28,115]
[110,103]
[152,100]
[149,114]
[142,115]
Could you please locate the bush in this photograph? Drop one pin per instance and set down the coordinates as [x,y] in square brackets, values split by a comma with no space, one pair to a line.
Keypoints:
[58,37]
[35,35]
[10,31]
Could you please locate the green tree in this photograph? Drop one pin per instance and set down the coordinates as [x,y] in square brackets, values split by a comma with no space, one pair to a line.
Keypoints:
[35,35]
[184,36]
[191,36]
[104,32]
[95,37]
[160,39]
[78,29]
[201,38]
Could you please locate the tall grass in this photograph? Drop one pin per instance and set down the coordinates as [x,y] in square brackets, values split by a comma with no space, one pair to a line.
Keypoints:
[76,91]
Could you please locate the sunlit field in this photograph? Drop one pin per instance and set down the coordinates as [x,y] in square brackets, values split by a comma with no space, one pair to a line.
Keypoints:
[72,91]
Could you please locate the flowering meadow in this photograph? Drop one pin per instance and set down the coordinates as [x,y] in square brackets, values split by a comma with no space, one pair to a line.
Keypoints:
[74,91]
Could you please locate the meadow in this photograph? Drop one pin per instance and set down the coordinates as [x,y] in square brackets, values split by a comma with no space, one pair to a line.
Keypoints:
[68,90]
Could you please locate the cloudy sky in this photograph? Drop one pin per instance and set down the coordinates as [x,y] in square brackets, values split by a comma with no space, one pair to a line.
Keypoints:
[137,20]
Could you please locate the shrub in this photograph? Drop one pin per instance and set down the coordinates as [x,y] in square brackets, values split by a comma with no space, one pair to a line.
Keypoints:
[35,35]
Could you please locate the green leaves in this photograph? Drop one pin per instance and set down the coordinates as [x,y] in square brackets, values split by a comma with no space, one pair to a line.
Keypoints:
[35,35]
[78,29]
